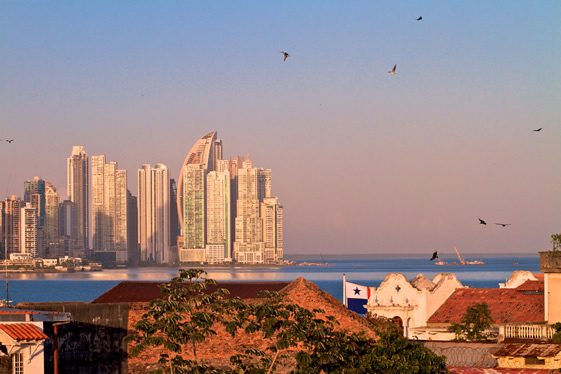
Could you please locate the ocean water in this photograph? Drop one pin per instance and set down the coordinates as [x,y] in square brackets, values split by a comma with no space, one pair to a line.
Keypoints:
[366,270]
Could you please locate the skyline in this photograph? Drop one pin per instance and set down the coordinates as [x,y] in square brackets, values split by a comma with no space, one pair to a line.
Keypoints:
[364,162]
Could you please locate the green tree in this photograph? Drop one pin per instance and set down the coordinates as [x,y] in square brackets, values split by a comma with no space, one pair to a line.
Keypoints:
[184,316]
[475,324]
[187,314]
[556,338]
[556,242]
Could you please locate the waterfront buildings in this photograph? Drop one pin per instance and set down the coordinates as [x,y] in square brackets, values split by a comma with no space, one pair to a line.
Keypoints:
[226,209]
[154,214]
[78,184]
[11,223]
[28,227]
[109,212]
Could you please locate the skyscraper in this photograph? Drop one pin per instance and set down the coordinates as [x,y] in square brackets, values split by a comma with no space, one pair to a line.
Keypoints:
[12,234]
[154,214]
[50,227]
[218,200]
[173,216]
[272,215]
[77,177]
[191,194]
[249,246]
[29,219]
[132,229]
[36,186]
[109,212]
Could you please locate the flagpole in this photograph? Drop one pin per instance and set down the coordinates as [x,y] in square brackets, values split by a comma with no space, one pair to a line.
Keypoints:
[345,290]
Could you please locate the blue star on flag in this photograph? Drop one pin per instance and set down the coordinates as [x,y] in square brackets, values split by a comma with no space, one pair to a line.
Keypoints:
[357,291]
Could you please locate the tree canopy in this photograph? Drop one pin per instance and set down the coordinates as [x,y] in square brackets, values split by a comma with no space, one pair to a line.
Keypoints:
[475,324]
[188,314]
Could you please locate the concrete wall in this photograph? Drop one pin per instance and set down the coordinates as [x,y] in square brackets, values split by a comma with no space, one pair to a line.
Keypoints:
[92,343]
[552,297]
[466,354]
[520,363]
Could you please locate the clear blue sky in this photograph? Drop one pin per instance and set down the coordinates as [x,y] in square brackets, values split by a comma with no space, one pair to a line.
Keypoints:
[363,162]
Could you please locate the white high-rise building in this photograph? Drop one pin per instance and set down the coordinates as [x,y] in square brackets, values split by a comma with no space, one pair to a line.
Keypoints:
[218,216]
[78,184]
[271,214]
[154,214]
[109,211]
[29,220]
[249,246]
[51,214]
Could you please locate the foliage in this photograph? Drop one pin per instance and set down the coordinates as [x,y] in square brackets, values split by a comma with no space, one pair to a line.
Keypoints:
[556,242]
[556,338]
[187,314]
[475,324]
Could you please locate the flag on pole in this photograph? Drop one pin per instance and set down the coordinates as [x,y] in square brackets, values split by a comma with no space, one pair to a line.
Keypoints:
[356,296]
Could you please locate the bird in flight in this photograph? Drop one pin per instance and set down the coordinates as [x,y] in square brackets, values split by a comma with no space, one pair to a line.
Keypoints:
[393,70]
[503,224]
[537,130]
[9,140]
[419,18]
[482,222]
[285,55]
[434,255]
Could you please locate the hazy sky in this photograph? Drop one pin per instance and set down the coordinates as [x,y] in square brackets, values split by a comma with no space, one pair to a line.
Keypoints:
[363,162]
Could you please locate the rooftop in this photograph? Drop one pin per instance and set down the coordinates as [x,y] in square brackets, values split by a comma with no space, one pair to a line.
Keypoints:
[528,350]
[507,305]
[23,331]
[141,292]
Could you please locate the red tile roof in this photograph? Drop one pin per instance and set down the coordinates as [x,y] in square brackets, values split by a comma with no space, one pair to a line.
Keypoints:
[531,285]
[528,350]
[23,331]
[507,305]
[139,292]
[466,370]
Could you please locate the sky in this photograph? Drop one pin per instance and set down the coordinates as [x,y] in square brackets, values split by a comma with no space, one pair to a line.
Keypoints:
[363,162]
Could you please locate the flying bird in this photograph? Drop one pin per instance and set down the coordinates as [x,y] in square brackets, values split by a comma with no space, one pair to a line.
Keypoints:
[419,18]
[393,71]
[434,255]
[481,222]
[9,140]
[537,130]
[285,55]
[503,224]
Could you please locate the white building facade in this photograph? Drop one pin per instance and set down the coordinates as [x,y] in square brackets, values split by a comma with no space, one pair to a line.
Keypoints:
[154,214]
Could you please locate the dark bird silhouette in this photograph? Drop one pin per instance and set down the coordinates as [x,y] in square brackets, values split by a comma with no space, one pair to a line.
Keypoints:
[285,55]
[537,130]
[503,224]
[9,140]
[481,222]
[419,18]
[393,70]
[434,255]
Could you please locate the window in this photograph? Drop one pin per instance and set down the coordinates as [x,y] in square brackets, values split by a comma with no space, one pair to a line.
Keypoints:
[17,362]
[533,361]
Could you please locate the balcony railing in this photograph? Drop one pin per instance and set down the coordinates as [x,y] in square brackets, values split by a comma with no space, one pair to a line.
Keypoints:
[540,332]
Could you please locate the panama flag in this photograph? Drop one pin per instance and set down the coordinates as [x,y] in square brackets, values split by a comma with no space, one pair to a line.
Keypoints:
[356,297]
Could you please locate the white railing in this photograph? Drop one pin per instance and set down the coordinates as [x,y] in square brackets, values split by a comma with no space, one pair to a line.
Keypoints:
[528,331]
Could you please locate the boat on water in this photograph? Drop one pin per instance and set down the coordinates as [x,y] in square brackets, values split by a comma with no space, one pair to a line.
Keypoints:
[461,262]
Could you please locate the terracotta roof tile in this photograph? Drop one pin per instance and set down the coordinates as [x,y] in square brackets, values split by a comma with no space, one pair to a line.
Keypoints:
[139,292]
[531,285]
[507,305]
[467,370]
[528,350]
[23,331]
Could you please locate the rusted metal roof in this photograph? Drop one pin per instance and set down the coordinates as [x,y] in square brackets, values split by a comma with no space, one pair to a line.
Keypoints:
[528,350]
[23,331]
[139,292]
[506,305]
